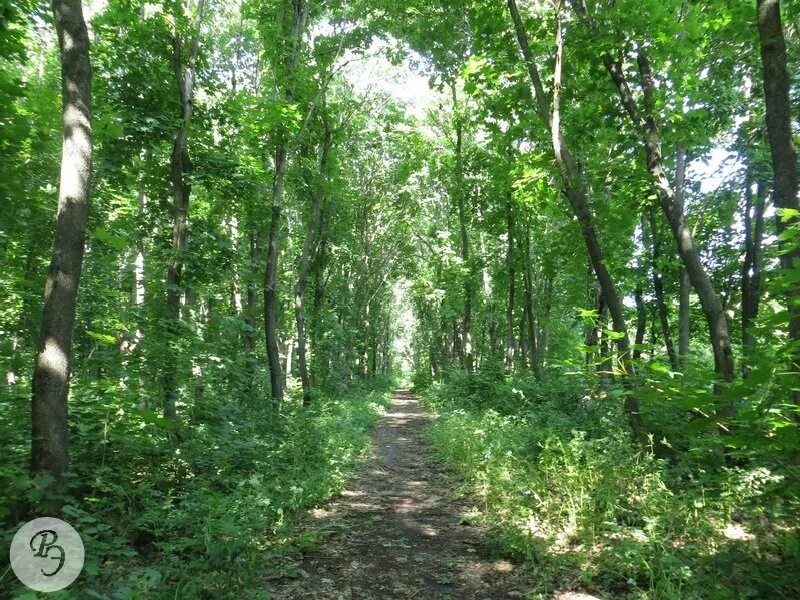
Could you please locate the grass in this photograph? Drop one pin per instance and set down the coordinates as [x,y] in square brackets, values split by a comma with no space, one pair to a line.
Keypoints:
[565,490]
[204,511]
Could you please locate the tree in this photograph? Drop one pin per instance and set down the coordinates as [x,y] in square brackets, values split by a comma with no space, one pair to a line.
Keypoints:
[576,192]
[51,373]
[460,200]
[313,233]
[293,20]
[751,265]
[784,153]
[180,168]
[645,123]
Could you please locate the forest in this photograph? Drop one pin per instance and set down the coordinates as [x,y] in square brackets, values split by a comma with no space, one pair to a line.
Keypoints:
[366,299]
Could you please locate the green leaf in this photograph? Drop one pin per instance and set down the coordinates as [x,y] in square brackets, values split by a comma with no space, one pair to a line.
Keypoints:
[117,242]
[102,337]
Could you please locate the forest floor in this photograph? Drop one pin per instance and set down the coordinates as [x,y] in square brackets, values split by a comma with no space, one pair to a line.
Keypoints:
[402,534]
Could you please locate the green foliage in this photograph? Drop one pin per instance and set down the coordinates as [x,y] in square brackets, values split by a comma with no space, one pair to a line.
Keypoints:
[564,487]
[204,510]
[421,207]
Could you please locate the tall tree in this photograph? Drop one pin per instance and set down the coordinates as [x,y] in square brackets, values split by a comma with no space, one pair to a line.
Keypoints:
[658,288]
[180,168]
[317,193]
[512,280]
[533,329]
[751,265]
[460,197]
[683,276]
[644,120]
[51,373]
[784,153]
[292,23]
[575,188]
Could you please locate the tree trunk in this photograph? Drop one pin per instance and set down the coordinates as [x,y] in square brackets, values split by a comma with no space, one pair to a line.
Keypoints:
[683,277]
[606,367]
[248,338]
[318,271]
[305,266]
[658,288]
[293,21]
[455,346]
[533,329]
[784,153]
[180,167]
[236,285]
[460,197]
[543,344]
[751,266]
[138,264]
[638,295]
[512,282]
[51,371]
[575,188]
[289,355]
[641,322]
[271,276]
[491,321]
[139,293]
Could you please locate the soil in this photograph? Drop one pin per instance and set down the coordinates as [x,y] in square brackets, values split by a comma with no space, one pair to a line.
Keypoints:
[401,532]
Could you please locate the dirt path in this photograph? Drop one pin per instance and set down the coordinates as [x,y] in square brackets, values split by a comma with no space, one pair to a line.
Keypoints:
[402,534]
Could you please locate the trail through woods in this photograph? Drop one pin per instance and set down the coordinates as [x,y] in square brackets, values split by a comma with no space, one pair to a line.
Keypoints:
[402,533]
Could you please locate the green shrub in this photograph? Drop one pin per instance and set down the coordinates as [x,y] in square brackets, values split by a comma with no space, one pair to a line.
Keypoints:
[203,509]
[564,487]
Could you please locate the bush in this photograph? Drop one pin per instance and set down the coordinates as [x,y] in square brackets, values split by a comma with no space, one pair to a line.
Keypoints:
[203,509]
[563,486]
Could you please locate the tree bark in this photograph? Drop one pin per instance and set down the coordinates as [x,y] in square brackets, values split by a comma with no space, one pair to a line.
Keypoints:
[180,167]
[784,153]
[271,276]
[460,198]
[293,22]
[491,321]
[51,371]
[317,196]
[638,295]
[543,322]
[606,366]
[684,328]
[318,269]
[512,283]
[658,288]
[641,322]
[236,285]
[592,337]
[575,188]
[751,266]
[533,329]
[139,292]
[248,338]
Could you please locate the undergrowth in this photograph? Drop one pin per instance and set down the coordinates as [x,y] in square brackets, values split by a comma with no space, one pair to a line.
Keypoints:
[204,512]
[565,489]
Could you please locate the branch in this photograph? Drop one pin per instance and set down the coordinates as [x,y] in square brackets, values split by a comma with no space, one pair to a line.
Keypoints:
[522,38]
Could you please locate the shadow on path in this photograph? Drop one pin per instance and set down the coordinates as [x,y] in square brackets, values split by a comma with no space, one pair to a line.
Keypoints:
[403,535]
